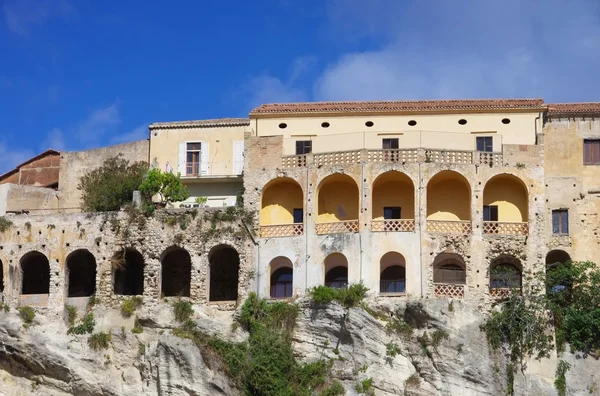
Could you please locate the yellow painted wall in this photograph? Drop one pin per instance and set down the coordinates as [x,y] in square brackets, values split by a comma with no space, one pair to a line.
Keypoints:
[509,194]
[393,189]
[448,197]
[279,199]
[338,199]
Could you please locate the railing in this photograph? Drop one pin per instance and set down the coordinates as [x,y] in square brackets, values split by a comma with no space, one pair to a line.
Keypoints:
[337,284]
[401,156]
[337,158]
[490,159]
[449,156]
[293,161]
[281,230]
[503,292]
[337,227]
[211,169]
[452,290]
[282,290]
[449,227]
[192,169]
[392,286]
[505,228]
[396,225]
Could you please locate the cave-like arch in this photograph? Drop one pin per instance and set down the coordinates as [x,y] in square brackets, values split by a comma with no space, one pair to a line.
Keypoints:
[81,273]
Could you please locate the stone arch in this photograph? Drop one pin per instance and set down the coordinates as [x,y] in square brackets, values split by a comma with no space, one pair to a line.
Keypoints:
[282,202]
[508,194]
[81,274]
[336,270]
[557,256]
[176,272]
[448,197]
[392,267]
[128,272]
[449,268]
[505,272]
[338,199]
[36,273]
[281,277]
[395,190]
[224,263]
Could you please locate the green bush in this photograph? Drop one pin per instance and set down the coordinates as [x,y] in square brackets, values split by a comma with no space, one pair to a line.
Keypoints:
[391,350]
[5,224]
[137,327]
[183,310]
[323,294]
[348,298]
[85,327]
[438,336]
[166,185]
[111,186]
[336,389]
[71,314]
[27,314]
[366,386]
[130,305]
[91,302]
[560,382]
[98,341]
[399,327]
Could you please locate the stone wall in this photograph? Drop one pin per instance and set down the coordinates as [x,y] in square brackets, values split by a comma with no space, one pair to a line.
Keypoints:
[16,198]
[75,164]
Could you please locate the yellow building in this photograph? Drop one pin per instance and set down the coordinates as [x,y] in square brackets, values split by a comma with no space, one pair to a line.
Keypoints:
[208,154]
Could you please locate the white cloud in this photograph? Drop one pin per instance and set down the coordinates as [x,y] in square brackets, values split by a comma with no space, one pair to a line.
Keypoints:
[21,16]
[55,140]
[98,124]
[138,133]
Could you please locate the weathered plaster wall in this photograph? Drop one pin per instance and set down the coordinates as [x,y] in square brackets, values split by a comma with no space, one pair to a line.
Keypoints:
[38,200]
[75,164]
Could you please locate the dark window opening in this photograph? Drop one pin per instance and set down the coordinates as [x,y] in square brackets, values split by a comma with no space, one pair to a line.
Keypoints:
[128,268]
[303,147]
[392,212]
[325,125]
[389,144]
[505,276]
[298,215]
[506,121]
[412,122]
[337,277]
[81,268]
[591,152]
[490,213]
[282,283]
[450,273]
[560,222]
[176,273]
[224,264]
[193,153]
[369,124]
[1,277]
[283,125]
[557,256]
[462,121]
[36,274]
[393,280]
[485,143]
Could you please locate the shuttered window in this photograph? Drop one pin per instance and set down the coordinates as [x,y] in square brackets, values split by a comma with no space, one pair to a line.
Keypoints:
[591,152]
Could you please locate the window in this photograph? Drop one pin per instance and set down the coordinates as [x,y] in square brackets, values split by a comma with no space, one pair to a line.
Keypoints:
[298,215]
[490,213]
[390,143]
[192,158]
[391,212]
[485,143]
[560,222]
[303,147]
[591,152]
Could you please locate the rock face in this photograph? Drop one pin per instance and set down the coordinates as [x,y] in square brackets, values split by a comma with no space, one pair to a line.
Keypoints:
[44,360]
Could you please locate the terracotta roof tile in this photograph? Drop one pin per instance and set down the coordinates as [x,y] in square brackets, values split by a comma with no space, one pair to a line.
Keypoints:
[218,122]
[398,106]
[574,109]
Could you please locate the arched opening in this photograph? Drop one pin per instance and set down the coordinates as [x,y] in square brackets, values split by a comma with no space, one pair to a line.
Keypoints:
[505,274]
[81,274]
[336,271]
[282,202]
[128,271]
[393,200]
[448,197]
[176,276]
[282,278]
[393,273]
[224,264]
[557,256]
[337,199]
[449,275]
[504,200]
[36,273]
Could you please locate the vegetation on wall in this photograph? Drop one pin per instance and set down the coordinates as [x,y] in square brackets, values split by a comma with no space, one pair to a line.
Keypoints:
[5,224]
[111,186]
[166,186]
[347,297]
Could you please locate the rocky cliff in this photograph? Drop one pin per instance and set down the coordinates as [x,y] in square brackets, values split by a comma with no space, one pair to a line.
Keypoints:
[438,350]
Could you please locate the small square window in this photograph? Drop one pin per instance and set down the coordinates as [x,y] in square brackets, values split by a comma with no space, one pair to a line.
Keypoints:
[303,147]
[591,152]
[298,215]
[389,144]
[560,222]
[485,143]
[490,213]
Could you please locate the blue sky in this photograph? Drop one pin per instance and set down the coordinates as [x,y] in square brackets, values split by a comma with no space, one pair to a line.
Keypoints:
[77,74]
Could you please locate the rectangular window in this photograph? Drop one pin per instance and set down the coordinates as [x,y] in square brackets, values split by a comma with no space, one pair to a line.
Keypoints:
[485,143]
[192,159]
[391,212]
[303,147]
[389,144]
[490,213]
[298,215]
[591,152]
[560,222]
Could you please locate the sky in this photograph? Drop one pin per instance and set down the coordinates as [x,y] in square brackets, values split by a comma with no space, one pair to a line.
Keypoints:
[79,74]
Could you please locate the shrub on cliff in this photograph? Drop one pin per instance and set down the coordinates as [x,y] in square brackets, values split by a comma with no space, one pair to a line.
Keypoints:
[111,186]
[164,185]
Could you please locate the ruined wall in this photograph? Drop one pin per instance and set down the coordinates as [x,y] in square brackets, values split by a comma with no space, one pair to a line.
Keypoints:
[15,198]
[105,234]
[75,164]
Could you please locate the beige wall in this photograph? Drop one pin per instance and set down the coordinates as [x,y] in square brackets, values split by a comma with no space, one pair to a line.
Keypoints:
[36,200]
[431,131]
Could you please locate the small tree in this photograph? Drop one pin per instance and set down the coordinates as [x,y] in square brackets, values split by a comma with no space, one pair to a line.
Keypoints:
[166,185]
[110,186]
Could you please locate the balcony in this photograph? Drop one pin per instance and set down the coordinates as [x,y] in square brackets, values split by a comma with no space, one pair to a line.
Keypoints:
[449,227]
[450,290]
[504,292]
[337,227]
[281,230]
[213,169]
[404,225]
[505,228]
